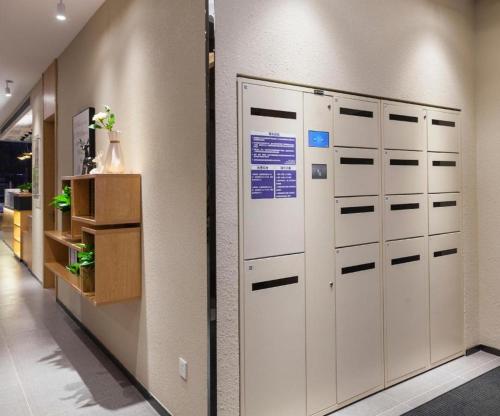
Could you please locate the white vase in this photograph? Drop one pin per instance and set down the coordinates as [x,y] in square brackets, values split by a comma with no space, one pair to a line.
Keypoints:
[113,163]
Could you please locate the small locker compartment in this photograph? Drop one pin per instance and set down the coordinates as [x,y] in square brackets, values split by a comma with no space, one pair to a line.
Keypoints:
[443,129]
[357,221]
[358,321]
[356,172]
[273,336]
[444,172]
[445,213]
[403,126]
[356,122]
[405,216]
[406,308]
[405,172]
[446,296]
[272,175]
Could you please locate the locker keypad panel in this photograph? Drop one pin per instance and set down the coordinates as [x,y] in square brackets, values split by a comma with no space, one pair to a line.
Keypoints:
[350,219]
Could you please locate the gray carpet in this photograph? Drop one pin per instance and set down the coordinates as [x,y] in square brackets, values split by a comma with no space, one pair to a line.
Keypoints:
[478,397]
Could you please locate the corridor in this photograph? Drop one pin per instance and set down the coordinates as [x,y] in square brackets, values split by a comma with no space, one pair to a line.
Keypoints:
[48,366]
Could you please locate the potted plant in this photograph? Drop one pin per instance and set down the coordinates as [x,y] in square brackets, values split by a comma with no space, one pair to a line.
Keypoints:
[84,267]
[25,187]
[62,202]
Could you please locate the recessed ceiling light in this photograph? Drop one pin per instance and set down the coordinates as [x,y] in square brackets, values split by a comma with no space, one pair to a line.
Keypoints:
[8,92]
[61,11]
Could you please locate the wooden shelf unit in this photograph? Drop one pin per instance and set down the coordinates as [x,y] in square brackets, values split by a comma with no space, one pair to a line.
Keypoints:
[105,214]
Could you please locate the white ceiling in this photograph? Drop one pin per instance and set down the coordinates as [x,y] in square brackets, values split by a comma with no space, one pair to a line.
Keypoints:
[31,38]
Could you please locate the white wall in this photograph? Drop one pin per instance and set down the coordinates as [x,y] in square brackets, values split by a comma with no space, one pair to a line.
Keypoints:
[146,59]
[488,153]
[406,49]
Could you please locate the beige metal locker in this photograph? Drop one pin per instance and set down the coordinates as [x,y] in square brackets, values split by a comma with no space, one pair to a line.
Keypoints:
[445,213]
[405,172]
[357,220]
[405,216]
[272,174]
[443,131]
[357,172]
[446,296]
[406,308]
[403,126]
[274,367]
[356,121]
[444,172]
[319,258]
[359,321]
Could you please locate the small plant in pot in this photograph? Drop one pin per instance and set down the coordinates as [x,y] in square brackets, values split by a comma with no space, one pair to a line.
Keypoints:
[84,267]
[25,187]
[62,202]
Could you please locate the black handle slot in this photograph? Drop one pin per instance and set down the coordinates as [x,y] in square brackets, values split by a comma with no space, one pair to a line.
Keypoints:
[400,117]
[265,112]
[408,259]
[445,252]
[402,207]
[444,204]
[444,123]
[358,268]
[444,163]
[356,161]
[268,284]
[357,210]
[404,162]
[353,112]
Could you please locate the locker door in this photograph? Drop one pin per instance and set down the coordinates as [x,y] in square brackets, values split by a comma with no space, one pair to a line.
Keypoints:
[357,172]
[443,131]
[359,321]
[356,122]
[405,216]
[445,213]
[405,172]
[406,310]
[274,337]
[272,174]
[446,296]
[357,220]
[319,254]
[404,126]
[444,172]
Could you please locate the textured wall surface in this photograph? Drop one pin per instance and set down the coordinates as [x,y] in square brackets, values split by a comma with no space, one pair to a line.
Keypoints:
[488,152]
[139,57]
[406,49]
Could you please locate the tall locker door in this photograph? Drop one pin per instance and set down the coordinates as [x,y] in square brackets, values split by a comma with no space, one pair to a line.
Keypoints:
[358,321]
[403,126]
[274,367]
[406,308]
[272,171]
[446,296]
[319,252]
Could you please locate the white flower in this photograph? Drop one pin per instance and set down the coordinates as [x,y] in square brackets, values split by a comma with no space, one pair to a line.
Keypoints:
[99,117]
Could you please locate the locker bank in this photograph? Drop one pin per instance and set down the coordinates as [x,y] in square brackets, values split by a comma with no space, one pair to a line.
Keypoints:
[350,245]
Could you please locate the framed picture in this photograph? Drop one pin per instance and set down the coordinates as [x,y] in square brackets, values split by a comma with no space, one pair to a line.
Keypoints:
[83,140]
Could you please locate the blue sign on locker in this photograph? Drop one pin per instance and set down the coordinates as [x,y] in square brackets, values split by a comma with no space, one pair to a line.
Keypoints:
[319,138]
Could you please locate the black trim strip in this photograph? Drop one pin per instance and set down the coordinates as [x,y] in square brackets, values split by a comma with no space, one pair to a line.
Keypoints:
[404,162]
[267,284]
[408,259]
[445,252]
[354,112]
[444,163]
[444,204]
[356,161]
[358,268]
[401,207]
[357,210]
[265,112]
[400,117]
[445,123]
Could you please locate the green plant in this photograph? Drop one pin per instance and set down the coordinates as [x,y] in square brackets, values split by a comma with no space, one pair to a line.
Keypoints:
[104,120]
[85,259]
[26,187]
[74,268]
[63,201]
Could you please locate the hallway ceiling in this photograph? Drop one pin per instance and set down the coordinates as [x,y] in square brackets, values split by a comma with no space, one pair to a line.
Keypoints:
[31,38]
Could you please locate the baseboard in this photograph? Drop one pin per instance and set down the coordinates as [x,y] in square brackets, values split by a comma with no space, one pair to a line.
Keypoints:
[155,404]
[473,350]
[481,347]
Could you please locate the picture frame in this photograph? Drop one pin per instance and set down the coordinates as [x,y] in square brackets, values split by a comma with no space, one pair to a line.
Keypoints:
[83,136]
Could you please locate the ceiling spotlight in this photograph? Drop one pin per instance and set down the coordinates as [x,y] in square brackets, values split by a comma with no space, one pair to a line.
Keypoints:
[8,92]
[61,11]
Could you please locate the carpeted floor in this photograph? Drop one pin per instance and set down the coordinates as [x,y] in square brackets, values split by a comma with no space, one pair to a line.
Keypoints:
[478,397]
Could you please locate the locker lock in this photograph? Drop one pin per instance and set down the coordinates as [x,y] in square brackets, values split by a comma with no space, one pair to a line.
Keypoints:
[331,284]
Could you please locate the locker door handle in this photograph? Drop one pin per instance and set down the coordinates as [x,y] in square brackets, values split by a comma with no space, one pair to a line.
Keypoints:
[358,268]
[445,252]
[444,123]
[357,210]
[401,207]
[444,163]
[356,161]
[444,204]
[401,117]
[408,259]
[265,112]
[268,284]
[404,162]
[354,112]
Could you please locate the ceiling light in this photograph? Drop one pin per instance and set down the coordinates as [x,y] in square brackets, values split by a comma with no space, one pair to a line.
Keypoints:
[61,11]
[8,92]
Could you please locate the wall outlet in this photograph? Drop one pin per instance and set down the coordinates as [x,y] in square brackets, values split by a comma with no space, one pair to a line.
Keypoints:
[183,368]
